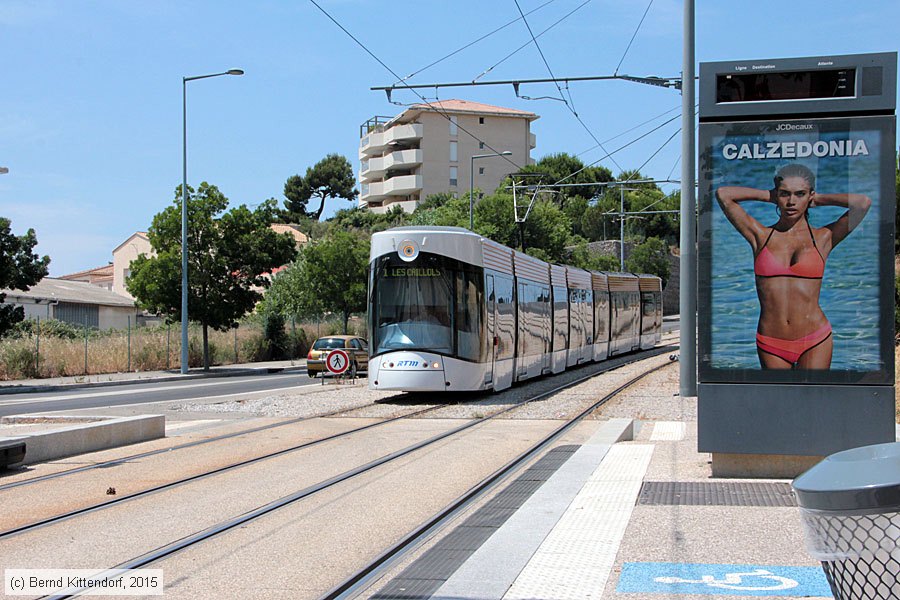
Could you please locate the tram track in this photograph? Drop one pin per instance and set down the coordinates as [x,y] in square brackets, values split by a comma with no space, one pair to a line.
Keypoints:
[132,457]
[208,533]
[361,579]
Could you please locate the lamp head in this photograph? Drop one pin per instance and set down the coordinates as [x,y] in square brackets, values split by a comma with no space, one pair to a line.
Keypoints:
[235,72]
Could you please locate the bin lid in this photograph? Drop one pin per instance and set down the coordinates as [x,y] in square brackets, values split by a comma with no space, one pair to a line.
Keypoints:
[863,478]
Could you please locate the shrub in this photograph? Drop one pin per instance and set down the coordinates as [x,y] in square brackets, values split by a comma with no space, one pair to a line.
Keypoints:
[18,362]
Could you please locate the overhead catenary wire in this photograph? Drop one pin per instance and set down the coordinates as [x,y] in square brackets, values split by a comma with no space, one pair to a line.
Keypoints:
[634,35]
[472,43]
[556,82]
[526,44]
[629,130]
[437,109]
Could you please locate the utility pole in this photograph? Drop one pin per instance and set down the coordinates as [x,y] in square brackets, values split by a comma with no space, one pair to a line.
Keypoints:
[687,300]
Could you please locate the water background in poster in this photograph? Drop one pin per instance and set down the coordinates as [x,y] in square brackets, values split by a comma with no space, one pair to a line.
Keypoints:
[850,289]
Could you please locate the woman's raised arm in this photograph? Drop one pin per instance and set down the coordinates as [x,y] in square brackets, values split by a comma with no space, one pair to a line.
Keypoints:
[857,204]
[729,198]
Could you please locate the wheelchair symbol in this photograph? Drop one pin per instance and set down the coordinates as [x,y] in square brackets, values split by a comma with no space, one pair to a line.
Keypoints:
[735,581]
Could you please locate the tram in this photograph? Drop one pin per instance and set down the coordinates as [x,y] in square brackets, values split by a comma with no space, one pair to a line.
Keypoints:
[450,310]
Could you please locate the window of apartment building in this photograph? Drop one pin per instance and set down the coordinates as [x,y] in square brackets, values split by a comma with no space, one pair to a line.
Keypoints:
[481,120]
[481,170]
[454,172]
[453,126]
[454,153]
[480,146]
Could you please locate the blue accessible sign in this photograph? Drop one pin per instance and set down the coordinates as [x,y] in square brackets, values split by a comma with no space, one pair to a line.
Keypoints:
[711,579]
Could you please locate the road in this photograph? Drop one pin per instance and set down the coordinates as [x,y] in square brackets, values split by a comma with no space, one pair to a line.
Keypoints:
[140,393]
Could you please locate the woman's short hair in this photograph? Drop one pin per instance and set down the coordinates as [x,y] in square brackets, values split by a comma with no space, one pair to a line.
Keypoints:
[796,170]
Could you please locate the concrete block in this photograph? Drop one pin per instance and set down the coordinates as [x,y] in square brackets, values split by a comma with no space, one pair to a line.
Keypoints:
[107,432]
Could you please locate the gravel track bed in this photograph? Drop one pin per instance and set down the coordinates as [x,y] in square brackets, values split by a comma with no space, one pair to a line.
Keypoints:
[360,402]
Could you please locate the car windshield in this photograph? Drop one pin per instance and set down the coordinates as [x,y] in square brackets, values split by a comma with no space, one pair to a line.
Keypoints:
[328,344]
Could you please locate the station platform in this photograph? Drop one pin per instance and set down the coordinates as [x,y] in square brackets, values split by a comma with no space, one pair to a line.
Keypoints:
[608,520]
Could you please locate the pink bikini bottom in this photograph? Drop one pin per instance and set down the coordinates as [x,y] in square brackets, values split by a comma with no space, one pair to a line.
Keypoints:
[792,350]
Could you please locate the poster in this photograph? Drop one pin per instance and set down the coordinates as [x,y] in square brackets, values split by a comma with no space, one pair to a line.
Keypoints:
[796,281]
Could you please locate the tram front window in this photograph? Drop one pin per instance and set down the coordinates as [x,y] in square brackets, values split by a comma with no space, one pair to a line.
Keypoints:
[413,307]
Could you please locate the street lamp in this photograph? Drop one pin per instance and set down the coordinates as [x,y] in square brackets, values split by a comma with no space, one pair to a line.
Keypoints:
[4,170]
[472,181]
[184,218]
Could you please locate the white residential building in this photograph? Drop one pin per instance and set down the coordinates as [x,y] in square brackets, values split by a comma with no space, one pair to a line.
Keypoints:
[427,149]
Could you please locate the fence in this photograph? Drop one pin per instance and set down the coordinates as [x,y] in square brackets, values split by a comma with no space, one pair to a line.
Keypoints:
[54,351]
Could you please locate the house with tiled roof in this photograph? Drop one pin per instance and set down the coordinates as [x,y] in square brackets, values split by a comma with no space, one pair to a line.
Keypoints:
[99,276]
[429,149]
[76,302]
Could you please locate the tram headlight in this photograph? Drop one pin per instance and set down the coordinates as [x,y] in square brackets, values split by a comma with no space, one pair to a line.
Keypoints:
[436,365]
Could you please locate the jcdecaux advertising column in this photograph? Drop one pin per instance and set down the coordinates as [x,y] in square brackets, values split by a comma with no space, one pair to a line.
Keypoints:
[796,260]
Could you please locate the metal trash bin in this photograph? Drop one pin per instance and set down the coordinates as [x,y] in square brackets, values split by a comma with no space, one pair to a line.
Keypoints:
[850,507]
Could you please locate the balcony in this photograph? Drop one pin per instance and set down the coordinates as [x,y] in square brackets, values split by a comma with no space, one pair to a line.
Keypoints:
[402,185]
[375,143]
[375,168]
[532,141]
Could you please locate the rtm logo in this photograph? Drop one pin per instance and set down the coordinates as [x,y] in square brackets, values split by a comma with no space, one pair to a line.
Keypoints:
[407,363]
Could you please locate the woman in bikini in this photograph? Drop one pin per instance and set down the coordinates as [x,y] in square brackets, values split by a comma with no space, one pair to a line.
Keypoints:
[789,262]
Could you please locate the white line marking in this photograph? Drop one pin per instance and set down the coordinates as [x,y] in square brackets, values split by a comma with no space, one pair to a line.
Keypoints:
[124,392]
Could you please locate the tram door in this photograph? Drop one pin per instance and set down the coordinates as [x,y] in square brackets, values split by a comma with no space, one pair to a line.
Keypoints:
[491,328]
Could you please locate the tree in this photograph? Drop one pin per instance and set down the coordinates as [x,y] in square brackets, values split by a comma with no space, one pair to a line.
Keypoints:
[331,177]
[229,255]
[329,275]
[568,169]
[651,257]
[20,269]
[581,256]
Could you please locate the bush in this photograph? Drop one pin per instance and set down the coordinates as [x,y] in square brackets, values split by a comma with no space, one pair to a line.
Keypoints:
[18,362]
[47,328]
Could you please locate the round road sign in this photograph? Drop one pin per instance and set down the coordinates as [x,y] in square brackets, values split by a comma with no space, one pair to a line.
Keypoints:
[337,361]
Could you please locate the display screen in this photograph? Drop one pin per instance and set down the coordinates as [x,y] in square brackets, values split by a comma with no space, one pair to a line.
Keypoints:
[796,221]
[793,85]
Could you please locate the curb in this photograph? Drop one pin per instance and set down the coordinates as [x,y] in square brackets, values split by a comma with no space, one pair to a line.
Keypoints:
[28,389]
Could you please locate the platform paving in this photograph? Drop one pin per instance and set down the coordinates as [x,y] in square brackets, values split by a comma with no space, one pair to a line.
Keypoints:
[636,519]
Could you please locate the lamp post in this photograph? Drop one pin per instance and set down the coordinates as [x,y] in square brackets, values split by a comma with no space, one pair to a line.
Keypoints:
[472,182]
[184,217]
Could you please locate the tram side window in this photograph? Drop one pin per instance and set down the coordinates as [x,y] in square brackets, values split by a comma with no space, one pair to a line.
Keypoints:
[506,317]
[601,316]
[469,307]
[560,318]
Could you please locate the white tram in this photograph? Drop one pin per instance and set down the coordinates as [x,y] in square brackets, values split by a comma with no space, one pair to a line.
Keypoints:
[451,310]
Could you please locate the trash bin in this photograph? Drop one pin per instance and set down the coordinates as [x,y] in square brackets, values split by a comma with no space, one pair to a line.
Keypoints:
[850,507]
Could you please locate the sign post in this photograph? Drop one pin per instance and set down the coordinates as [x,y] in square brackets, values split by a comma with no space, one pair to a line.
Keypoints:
[795,260]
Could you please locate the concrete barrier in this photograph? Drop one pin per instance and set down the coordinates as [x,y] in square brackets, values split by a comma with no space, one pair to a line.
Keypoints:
[98,433]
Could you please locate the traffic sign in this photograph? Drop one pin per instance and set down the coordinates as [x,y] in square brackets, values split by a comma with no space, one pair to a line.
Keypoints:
[337,361]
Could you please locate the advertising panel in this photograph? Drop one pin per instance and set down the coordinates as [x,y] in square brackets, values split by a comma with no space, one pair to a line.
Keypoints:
[795,251]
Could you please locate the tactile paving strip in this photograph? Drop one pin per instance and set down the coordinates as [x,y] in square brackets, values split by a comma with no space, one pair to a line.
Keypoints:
[423,577]
[717,493]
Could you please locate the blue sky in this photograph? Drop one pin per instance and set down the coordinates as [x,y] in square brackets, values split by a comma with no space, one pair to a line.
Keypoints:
[91,101]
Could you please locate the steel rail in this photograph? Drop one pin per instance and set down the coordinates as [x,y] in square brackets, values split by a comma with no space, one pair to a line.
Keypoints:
[119,500]
[362,578]
[210,532]
[117,461]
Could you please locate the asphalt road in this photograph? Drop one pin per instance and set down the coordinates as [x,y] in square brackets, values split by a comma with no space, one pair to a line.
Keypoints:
[140,393]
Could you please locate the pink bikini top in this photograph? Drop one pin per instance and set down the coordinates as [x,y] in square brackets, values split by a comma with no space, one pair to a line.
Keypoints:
[810,265]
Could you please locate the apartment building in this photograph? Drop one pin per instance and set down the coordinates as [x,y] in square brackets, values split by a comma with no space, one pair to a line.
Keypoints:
[421,151]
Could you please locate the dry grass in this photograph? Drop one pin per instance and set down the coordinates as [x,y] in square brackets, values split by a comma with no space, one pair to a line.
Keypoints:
[146,349]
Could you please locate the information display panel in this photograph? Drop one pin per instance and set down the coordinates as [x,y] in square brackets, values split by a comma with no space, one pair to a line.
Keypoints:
[796,274]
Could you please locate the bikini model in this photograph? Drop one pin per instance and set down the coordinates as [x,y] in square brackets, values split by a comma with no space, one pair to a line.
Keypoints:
[810,266]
